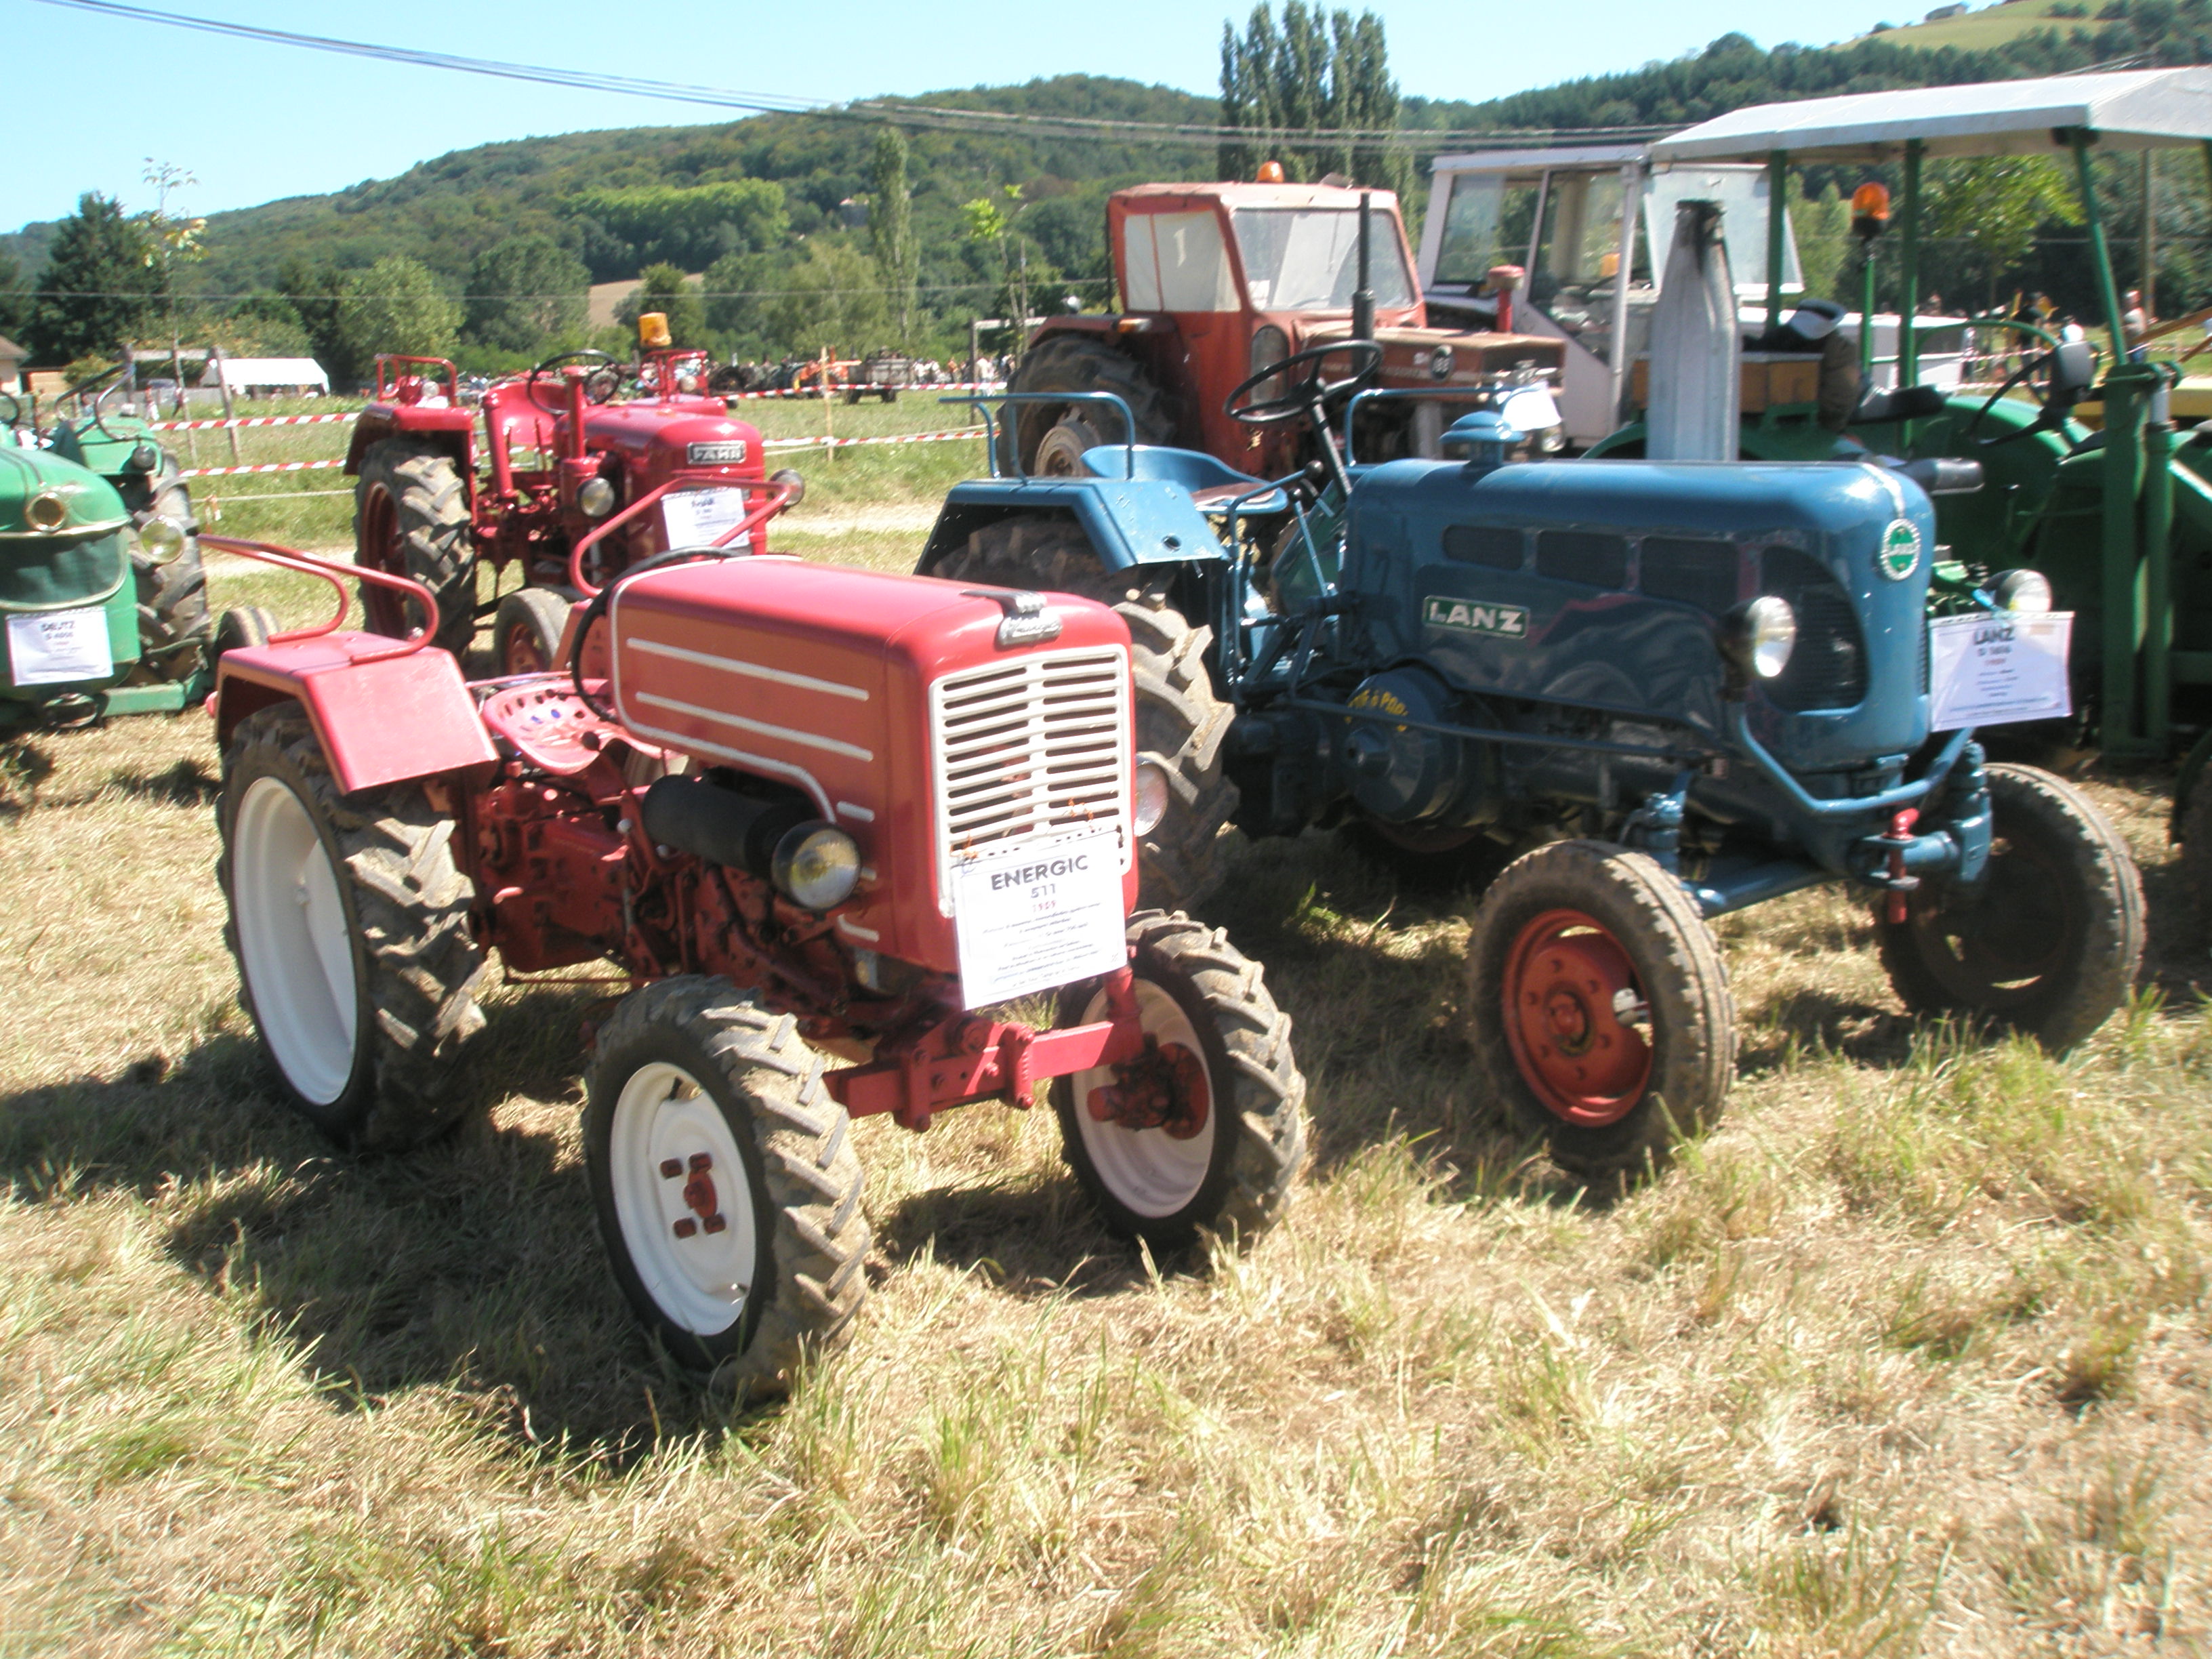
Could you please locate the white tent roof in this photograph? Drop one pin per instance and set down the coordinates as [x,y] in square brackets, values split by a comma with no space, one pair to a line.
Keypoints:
[238,373]
[2131,109]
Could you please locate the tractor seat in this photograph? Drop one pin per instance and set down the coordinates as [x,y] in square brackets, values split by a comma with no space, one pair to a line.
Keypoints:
[1212,485]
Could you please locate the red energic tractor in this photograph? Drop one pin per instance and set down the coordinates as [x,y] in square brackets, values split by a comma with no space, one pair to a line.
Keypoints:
[829,823]
[561,480]
[1218,282]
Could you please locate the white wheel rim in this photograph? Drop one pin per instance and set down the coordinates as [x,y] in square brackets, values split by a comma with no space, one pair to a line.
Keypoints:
[1149,1171]
[295,947]
[698,1279]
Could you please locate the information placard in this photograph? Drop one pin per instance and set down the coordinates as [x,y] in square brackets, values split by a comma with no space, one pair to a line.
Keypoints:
[693,518]
[50,647]
[1990,669]
[1034,918]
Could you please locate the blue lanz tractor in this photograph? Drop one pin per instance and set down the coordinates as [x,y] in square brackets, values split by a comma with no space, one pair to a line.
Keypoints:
[1673,689]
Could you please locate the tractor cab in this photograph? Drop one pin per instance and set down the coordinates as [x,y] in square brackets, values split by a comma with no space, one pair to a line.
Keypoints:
[1220,281]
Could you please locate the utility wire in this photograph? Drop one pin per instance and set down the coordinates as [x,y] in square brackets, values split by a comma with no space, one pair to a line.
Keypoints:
[895,110]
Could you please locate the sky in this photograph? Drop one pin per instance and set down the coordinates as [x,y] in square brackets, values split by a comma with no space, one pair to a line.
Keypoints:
[253,122]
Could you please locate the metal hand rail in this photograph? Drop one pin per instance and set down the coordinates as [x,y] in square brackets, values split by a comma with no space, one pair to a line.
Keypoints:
[330,570]
[780,497]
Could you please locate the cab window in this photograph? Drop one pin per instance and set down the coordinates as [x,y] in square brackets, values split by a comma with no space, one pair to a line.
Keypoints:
[1176,262]
[1307,258]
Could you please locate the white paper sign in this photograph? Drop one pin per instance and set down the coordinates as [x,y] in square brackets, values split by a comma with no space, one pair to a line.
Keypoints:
[693,518]
[50,646]
[1989,669]
[1035,918]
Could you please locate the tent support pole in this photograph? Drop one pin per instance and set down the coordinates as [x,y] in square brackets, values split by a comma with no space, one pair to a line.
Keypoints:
[1777,179]
[1908,275]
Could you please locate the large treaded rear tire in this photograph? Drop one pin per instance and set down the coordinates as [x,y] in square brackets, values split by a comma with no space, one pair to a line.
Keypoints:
[173,625]
[1255,1139]
[1181,723]
[2196,853]
[1080,362]
[2059,877]
[415,495]
[802,1176]
[411,964]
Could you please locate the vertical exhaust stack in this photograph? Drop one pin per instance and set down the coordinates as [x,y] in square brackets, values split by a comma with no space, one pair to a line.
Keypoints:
[1697,350]
[1362,297]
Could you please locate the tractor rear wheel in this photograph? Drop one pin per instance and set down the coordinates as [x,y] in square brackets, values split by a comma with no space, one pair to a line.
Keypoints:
[350,920]
[1079,362]
[1599,1007]
[411,519]
[727,1189]
[526,633]
[2048,941]
[173,609]
[2196,853]
[1181,724]
[1217,1048]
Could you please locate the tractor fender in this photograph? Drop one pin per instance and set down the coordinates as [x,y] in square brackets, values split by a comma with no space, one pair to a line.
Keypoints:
[380,721]
[1129,521]
[452,430]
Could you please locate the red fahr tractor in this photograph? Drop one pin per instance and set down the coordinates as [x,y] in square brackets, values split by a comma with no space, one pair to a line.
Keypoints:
[564,481]
[1221,281]
[808,812]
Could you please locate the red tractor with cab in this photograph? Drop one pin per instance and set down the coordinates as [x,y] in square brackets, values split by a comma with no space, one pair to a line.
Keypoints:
[829,823]
[570,472]
[1219,281]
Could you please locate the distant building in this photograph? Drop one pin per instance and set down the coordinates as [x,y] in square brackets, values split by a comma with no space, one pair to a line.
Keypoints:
[1942,12]
[269,377]
[12,357]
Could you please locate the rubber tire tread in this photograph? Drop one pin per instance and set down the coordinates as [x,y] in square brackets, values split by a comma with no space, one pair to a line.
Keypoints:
[415,955]
[1267,1092]
[2077,1001]
[542,610]
[173,602]
[1080,362]
[2196,853]
[1181,723]
[820,1236]
[1693,1008]
[432,505]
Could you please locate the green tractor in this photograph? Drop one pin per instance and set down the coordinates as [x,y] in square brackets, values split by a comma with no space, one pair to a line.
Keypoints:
[102,593]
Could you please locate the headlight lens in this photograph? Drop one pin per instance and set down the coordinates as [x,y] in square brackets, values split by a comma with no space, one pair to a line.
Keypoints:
[1151,795]
[2024,591]
[1760,635]
[816,865]
[786,478]
[161,539]
[596,499]
[47,510]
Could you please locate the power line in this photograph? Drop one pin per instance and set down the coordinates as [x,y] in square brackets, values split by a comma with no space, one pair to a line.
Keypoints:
[893,111]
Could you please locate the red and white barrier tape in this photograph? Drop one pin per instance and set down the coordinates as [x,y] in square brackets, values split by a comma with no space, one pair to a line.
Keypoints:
[848,443]
[251,420]
[266,466]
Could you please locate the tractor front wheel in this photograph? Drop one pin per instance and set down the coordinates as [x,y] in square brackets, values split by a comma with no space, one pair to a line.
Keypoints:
[1181,723]
[411,519]
[527,632]
[1599,1007]
[2048,940]
[1206,1128]
[350,920]
[728,1190]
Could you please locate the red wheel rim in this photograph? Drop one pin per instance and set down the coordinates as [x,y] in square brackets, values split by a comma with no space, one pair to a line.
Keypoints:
[519,652]
[379,550]
[1577,1018]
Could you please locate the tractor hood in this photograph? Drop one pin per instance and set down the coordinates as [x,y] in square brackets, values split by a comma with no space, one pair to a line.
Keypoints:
[688,433]
[1446,357]
[63,538]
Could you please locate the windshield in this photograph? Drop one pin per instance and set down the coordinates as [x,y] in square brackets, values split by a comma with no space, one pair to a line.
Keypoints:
[1307,258]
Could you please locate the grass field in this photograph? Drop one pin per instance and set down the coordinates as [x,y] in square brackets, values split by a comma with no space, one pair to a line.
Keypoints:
[1910,1356]
[1989,25]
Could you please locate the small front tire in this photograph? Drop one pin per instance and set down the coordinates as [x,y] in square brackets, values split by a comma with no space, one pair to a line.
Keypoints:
[728,1190]
[526,631]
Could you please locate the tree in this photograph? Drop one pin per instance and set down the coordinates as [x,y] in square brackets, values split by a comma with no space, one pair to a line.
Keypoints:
[673,224]
[14,299]
[1318,70]
[395,306]
[102,282]
[833,300]
[890,227]
[1984,214]
[524,294]
[312,288]
[665,288]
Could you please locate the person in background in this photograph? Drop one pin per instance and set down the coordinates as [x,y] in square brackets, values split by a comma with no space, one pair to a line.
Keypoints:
[2134,319]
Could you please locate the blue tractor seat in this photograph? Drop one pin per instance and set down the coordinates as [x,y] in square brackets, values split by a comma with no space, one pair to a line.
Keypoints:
[1212,485]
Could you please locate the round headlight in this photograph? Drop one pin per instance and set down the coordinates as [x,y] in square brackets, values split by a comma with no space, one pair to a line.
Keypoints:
[1151,795]
[47,510]
[1441,361]
[1760,635]
[160,539]
[786,478]
[687,383]
[596,498]
[2026,591]
[816,865]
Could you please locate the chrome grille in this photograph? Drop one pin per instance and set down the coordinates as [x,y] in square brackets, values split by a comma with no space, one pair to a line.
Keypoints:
[1028,750]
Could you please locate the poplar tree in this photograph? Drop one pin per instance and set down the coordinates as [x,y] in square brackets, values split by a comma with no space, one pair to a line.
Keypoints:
[1317,70]
[890,227]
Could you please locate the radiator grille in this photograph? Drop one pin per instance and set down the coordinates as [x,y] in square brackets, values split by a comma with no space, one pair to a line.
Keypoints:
[1028,750]
[1828,669]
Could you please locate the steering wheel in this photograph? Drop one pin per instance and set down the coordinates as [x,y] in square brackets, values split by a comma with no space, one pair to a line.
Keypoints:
[100,386]
[1310,393]
[2048,413]
[598,386]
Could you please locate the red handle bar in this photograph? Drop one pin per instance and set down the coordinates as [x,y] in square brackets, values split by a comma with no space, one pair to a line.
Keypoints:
[330,570]
[780,496]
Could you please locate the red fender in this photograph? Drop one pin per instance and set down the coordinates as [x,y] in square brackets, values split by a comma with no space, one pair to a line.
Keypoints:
[381,722]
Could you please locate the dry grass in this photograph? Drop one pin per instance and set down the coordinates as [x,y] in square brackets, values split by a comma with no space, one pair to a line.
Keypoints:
[1910,1356]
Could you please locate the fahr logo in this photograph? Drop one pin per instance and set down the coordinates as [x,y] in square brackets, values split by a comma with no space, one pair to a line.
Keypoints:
[1899,555]
[731,453]
[1505,622]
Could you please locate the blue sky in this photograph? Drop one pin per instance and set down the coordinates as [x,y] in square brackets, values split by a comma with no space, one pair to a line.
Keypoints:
[254,121]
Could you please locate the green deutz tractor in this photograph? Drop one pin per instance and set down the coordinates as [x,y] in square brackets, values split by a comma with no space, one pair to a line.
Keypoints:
[102,595]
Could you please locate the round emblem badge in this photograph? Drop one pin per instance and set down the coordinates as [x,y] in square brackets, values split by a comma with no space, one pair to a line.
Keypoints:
[1899,555]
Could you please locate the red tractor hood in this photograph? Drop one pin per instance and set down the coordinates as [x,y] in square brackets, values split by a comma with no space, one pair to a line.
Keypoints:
[667,431]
